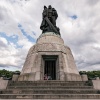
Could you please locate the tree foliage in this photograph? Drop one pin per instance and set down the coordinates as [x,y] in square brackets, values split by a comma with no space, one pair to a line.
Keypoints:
[7,73]
[91,74]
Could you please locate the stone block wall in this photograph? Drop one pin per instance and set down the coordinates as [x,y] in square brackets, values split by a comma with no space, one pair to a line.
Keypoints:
[50,44]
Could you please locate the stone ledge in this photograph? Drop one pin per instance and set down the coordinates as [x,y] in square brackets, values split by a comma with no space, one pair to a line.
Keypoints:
[96,84]
[3,84]
[50,38]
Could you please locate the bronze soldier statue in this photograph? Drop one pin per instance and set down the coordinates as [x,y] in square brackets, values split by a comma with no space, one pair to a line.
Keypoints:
[49,20]
[44,23]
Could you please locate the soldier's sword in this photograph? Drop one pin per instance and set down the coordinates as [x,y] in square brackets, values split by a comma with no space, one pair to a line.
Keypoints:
[51,25]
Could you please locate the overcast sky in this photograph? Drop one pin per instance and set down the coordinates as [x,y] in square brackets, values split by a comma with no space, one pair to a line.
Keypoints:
[78,20]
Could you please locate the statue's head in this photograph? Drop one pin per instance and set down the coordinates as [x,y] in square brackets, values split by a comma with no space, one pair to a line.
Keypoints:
[45,7]
[49,7]
[53,9]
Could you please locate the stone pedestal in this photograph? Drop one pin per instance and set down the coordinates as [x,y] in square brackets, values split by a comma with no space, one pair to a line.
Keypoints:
[15,77]
[96,84]
[97,78]
[3,84]
[49,45]
[1,78]
[84,77]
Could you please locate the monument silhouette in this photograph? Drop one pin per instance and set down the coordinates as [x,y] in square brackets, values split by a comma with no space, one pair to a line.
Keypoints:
[49,71]
[49,55]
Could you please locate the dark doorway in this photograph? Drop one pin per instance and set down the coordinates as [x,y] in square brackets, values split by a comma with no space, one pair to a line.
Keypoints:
[50,69]
[50,66]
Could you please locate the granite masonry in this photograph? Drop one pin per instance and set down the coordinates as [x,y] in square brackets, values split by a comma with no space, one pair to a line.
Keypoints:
[49,45]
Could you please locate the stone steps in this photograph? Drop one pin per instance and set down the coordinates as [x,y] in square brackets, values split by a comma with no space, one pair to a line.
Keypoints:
[48,81]
[50,87]
[50,84]
[50,91]
[50,96]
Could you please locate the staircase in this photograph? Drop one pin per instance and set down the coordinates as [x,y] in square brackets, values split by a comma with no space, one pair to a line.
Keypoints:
[49,90]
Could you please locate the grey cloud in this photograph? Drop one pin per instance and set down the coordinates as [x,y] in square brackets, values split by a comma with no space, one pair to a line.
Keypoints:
[87,58]
[3,13]
[6,66]
[2,45]
[11,68]
[92,2]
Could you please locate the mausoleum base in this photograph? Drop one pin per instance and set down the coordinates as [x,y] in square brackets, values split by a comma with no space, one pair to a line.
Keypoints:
[49,56]
[63,77]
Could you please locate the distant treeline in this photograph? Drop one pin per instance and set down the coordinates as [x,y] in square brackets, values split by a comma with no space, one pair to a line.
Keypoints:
[90,74]
[7,73]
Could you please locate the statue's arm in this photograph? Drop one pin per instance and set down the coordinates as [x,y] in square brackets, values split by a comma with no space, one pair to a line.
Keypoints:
[56,14]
